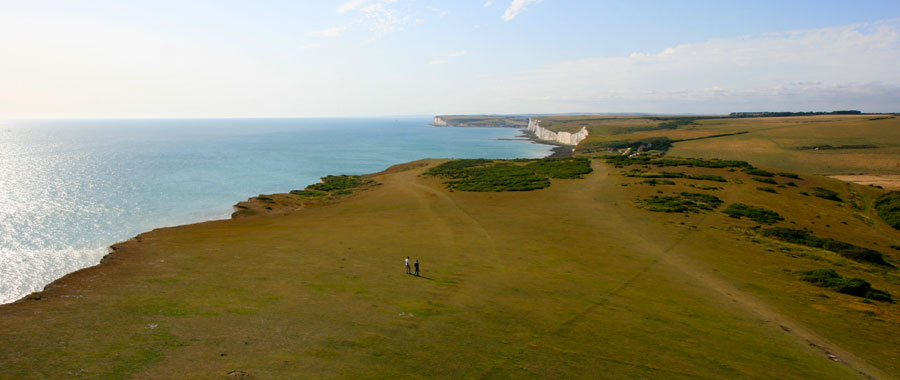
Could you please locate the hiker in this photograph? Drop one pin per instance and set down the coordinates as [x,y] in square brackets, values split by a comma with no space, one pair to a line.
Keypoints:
[407,266]
[417,267]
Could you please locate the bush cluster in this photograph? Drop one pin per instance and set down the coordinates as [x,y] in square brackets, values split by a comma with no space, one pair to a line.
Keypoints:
[756,214]
[702,177]
[828,278]
[850,251]
[620,161]
[339,182]
[764,180]
[767,189]
[562,167]
[492,175]
[685,202]
[759,172]
[789,175]
[888,207]
[824,193]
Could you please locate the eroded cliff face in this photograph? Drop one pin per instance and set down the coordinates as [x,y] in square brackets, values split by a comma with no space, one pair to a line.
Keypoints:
[439,122]
[560,137]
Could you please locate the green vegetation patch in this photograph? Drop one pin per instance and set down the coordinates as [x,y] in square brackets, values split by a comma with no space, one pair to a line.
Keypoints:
[824,193]
[789,175]
[756,214]
[765,180]
[562,167]
[767,189]
[650,143]
[684,202]
[339,182]
[621,161]
[654,182]
[850,251]
[309,193]
[828,278]
[499,175]
[888,207]
[759,172]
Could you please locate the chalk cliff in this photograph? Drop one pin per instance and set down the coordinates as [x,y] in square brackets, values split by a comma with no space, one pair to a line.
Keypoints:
[439,122]
[534,126]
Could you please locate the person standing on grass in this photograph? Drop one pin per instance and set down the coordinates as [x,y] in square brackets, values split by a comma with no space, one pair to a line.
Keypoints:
[417,267]
[407,266]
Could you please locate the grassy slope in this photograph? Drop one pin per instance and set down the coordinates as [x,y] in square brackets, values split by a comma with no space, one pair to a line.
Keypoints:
[772,142]
[565,282]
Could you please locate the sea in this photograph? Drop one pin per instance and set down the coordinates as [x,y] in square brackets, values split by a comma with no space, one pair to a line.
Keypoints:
[71,188]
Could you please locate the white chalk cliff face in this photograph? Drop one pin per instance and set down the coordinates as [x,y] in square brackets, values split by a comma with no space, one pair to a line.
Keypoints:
[438,121]
[560,137]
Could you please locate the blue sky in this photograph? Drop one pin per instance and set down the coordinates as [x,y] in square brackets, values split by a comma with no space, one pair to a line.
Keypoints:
[393,57]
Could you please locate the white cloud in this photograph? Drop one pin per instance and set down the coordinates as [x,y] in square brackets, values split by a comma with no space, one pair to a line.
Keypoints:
[330,32]
[350,5]
[841,67]
[488,3]
[445,58]
[419,20]
[516,7]
[311,45]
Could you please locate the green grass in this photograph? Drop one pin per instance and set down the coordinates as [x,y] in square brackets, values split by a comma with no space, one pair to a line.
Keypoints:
[828,278]
[888,207]
[515,285]
[848,250]
[756,214]
[684,202]
[339,182]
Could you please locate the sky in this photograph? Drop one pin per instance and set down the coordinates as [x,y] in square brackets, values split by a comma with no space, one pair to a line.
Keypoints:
[222,58]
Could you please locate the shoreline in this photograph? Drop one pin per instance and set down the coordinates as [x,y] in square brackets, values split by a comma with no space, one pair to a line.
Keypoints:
[117,247]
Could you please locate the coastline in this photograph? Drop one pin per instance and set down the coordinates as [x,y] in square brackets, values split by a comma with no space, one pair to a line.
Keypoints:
[119,248]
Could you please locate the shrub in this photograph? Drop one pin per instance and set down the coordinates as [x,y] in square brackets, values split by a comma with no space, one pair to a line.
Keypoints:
[888,207]
[620,160]
[707,177]
[339,182]
[828,278]
[308,193]
[766,189]
[765,180]
[789,175]
[500,177]
[756,214]
[685,202]
[824,193]
[654,182]
[562,167]
[759,172]
[850,251]
[791,184]
[456,168]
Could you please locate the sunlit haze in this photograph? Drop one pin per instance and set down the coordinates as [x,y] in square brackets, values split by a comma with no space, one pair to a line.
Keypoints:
[395,57]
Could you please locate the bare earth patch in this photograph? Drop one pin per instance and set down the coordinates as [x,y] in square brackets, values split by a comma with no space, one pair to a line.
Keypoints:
[887,181]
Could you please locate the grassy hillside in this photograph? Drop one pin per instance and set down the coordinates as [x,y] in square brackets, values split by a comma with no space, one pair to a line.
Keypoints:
[574,280]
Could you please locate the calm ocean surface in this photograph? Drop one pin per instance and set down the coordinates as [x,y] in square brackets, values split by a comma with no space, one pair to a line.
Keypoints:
[71,188]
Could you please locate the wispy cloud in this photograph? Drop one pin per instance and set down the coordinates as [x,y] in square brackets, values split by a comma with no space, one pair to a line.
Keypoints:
[446,57]
[849,66]
[330,32]
[439,11]
[311,45]
[516,7]
[350,5]
[488,3]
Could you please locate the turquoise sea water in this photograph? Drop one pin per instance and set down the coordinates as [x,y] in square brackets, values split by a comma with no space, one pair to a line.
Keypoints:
[71,188]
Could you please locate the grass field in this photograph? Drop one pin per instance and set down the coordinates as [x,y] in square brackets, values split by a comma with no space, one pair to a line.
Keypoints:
[569,281]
